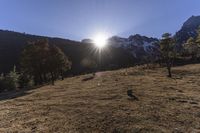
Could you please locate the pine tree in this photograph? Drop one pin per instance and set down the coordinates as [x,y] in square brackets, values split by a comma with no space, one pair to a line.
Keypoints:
[14,77]
[167,51]
[9,81]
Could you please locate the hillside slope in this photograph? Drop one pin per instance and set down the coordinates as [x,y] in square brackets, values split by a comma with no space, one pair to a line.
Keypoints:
[102,105]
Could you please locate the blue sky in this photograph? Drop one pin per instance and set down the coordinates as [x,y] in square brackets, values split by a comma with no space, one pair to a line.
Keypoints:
[79,19]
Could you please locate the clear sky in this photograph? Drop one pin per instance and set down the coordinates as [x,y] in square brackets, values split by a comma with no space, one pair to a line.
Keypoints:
[78,19]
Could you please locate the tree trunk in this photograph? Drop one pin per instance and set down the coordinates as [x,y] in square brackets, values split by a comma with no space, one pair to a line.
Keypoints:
[169,72]
[62,75]
[52,78]
[160,62]
[44,77]
[194,57]
[169,69]
[40,77]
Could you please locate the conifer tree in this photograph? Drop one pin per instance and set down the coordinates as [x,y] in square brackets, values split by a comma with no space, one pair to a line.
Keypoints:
[167,51]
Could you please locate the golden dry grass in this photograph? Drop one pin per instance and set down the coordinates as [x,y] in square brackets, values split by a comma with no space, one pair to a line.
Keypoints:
[102,105]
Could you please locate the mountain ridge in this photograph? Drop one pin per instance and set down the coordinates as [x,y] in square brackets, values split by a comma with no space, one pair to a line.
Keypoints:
[12,44]
[121,51]
[188,29]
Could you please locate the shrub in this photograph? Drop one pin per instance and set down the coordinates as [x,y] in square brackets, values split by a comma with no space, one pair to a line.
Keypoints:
[10,81]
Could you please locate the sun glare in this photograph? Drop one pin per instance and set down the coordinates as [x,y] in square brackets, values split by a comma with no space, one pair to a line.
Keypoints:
[100,40]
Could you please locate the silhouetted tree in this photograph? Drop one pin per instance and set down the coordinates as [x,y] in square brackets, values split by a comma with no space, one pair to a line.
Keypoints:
[167,51]
[33,60]
[43,62]
[57,63]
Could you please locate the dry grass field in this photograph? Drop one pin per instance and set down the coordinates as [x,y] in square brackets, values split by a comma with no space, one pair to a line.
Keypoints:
[100,105]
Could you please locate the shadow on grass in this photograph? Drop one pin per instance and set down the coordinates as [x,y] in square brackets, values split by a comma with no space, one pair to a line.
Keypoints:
[17,93]
[184,72]
[13,94]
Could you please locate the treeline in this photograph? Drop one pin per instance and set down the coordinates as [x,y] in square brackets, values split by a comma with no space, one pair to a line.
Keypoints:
[40,63]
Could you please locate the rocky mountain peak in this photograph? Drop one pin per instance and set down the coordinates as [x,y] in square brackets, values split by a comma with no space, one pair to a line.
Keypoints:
[192,22]
[189,29]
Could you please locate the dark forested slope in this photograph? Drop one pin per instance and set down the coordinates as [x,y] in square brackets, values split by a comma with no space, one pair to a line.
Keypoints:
[12,43]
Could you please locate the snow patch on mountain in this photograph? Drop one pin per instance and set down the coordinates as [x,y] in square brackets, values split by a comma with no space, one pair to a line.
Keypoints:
[137,45]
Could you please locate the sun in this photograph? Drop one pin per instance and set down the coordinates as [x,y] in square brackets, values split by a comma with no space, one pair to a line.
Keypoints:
[100,40]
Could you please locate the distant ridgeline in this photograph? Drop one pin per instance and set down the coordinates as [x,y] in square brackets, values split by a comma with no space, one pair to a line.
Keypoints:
[81,54]
[121,52]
